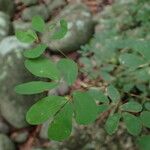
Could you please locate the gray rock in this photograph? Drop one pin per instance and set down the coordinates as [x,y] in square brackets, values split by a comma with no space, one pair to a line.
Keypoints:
[39,149]
[62,89]
[21,25]
[29,2]
[14,44]
[5,25]
[81,28]
[4,128]
[13,106]
[94,137]
[32,11]
[44,130]
[6,143]
[20,137]
[54,4]
[7,6]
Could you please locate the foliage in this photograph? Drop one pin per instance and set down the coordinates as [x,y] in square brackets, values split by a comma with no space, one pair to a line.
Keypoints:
[58,108]
[144,143]
[122,65]
[119,58]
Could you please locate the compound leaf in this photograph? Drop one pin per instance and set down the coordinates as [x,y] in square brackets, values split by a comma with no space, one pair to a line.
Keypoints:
[68,69]
[85,108]
[145,118]
[131,106]
[35,87]
[44,109]
[38,24]
[112,123]
[35,52]
[61,126]
[43,67]
[133,123]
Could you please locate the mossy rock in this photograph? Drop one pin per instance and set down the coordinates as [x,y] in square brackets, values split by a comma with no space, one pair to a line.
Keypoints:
[5,25]
[6,143]
[7,6]
[80,25]
[13,106]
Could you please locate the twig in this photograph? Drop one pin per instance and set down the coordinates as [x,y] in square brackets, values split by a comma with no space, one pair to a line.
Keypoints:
[28,145]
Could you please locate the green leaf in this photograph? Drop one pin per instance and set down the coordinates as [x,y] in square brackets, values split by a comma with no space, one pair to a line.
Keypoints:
[112,123]
[61,126]
[35,52]
[98,95]
[35,87]
[143,47]
[144,142]
[142,74]
[33,34]
[108,67]
[113,93]
[43,67]
[38,24]
[145,118]
[147,105]
[61,32]
[131,60]
[128,87]
[106,76]
[131,106]
[44,109]
[68,69]
[133,123]
[85,108]
[102,108]
[26,37]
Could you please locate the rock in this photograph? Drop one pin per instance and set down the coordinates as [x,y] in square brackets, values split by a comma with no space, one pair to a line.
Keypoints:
[5,25]
[44,130]
[14,44]
[13,106]
[7,6]
[62,89]
[20,137]
[32,11]
[54,4]
[4,128]
[21,25]
[94,137]
[6,143]
[81,28]
[29,2]
[38,148]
